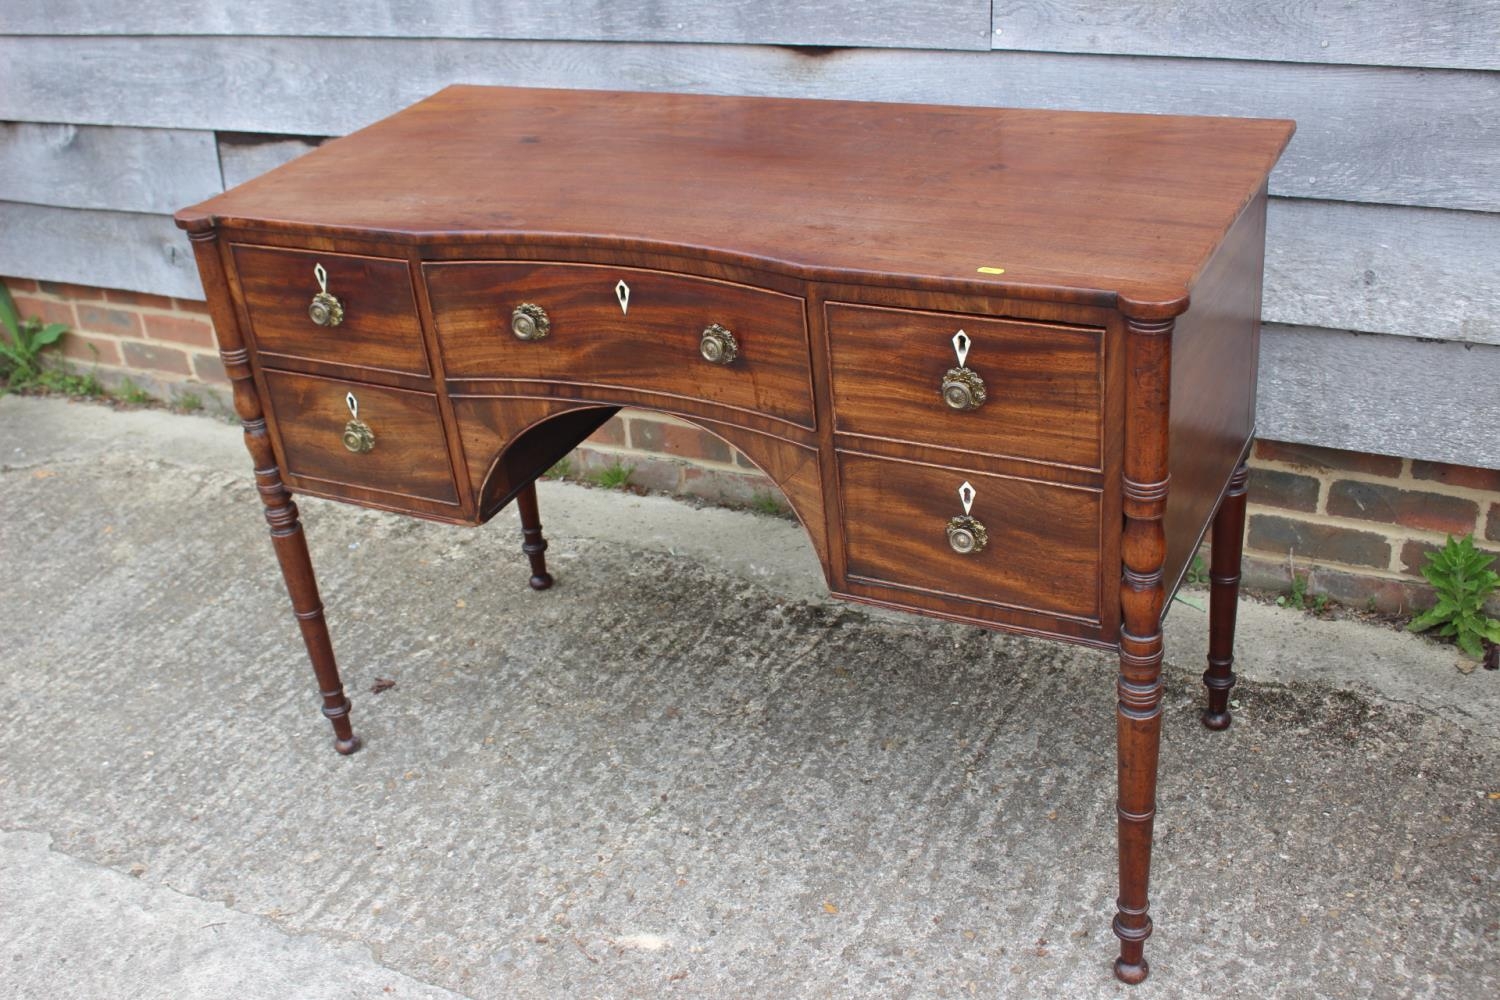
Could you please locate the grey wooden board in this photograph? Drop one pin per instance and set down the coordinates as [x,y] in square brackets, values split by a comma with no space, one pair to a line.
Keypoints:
[129,250]
[939,24]
[89,166]
[1411,137]
[1388,395]
[1457,34]
[1418,272]
[242,160]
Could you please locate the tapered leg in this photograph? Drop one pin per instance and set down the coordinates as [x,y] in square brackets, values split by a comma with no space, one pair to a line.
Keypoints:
[1143,549]
[1223,596]
[281,512]
[532,542]
[296,569]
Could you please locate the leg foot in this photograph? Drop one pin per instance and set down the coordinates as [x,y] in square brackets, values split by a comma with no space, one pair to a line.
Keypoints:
[1223,596]
[1131,973]
[532,542]
[346,747]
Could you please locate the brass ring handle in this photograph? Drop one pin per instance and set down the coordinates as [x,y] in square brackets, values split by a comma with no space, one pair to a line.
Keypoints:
[529,322]
[718,345]
[963,389]
[325,310]
[358,437]
[966,535]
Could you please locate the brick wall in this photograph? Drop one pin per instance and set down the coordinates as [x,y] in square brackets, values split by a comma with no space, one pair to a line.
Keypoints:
[165,346]
[1357,525]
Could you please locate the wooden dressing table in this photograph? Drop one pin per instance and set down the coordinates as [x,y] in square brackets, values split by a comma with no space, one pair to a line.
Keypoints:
[1002,363]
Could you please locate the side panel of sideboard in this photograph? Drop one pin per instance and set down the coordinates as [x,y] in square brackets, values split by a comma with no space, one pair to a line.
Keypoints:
[1215,350]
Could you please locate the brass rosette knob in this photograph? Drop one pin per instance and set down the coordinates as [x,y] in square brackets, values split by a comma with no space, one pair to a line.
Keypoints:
[963,389]
[966,535]
[718,345]
[358,437]
[529,322]
[324,310]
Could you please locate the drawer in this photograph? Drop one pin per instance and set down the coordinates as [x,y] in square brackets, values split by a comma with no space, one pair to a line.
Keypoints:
[1043,383]
[624,328]
[379,325]
[409,456]
[1042,552]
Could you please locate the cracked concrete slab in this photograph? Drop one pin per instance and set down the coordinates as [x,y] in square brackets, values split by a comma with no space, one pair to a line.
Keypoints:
[684,771]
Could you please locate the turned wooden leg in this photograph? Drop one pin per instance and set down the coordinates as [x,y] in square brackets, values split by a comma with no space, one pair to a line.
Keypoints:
[1223,597]
[297,570]
[1143,549]
[281,512]
[532,542]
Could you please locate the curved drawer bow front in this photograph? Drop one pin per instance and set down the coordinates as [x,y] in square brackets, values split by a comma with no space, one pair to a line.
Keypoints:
[624,328]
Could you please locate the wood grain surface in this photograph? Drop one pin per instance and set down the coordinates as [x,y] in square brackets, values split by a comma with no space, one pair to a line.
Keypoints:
[1056,199]
[1044,383]
[409,457]
[652,344]
[1043,551]
[379,330]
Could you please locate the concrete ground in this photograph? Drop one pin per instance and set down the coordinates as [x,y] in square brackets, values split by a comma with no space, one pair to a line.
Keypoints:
[682,772]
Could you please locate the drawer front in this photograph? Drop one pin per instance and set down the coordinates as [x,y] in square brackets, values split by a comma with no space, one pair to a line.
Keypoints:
[1043,383]
[1042,549]
[409,456]
[379,324]
[626,328]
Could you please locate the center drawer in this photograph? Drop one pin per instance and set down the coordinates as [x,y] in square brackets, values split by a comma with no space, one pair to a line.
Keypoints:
[625,328]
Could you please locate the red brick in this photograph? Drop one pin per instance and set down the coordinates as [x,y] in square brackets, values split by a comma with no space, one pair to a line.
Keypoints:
[1409,508]
[49,310]
[20,284]
[140,299]
[155,358]
[65,290]
[1415,552]
[612,433]
[192,306]
[686,442]
[1283,489]
[1492,523]
[1458,475]
[116,322]
[1317,542]
[179,329]
[91,349]
[1327,459]
[1414,556]
[208,368]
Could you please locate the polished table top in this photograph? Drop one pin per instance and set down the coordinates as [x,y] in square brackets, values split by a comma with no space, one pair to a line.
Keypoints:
[1065,203]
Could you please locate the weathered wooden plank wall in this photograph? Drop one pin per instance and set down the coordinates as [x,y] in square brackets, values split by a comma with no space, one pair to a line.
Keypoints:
[939,24]
[1385,220]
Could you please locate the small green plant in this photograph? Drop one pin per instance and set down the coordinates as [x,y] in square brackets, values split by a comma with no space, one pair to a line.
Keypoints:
[130,392]
[562,469]
[67,382]
[613,477]
[1461,576]
[1298,598]
[22,343]
[767,503]
[1197,574]
[188,402]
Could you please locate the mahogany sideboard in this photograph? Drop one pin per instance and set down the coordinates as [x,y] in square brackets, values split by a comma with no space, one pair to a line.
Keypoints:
[1001,362]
